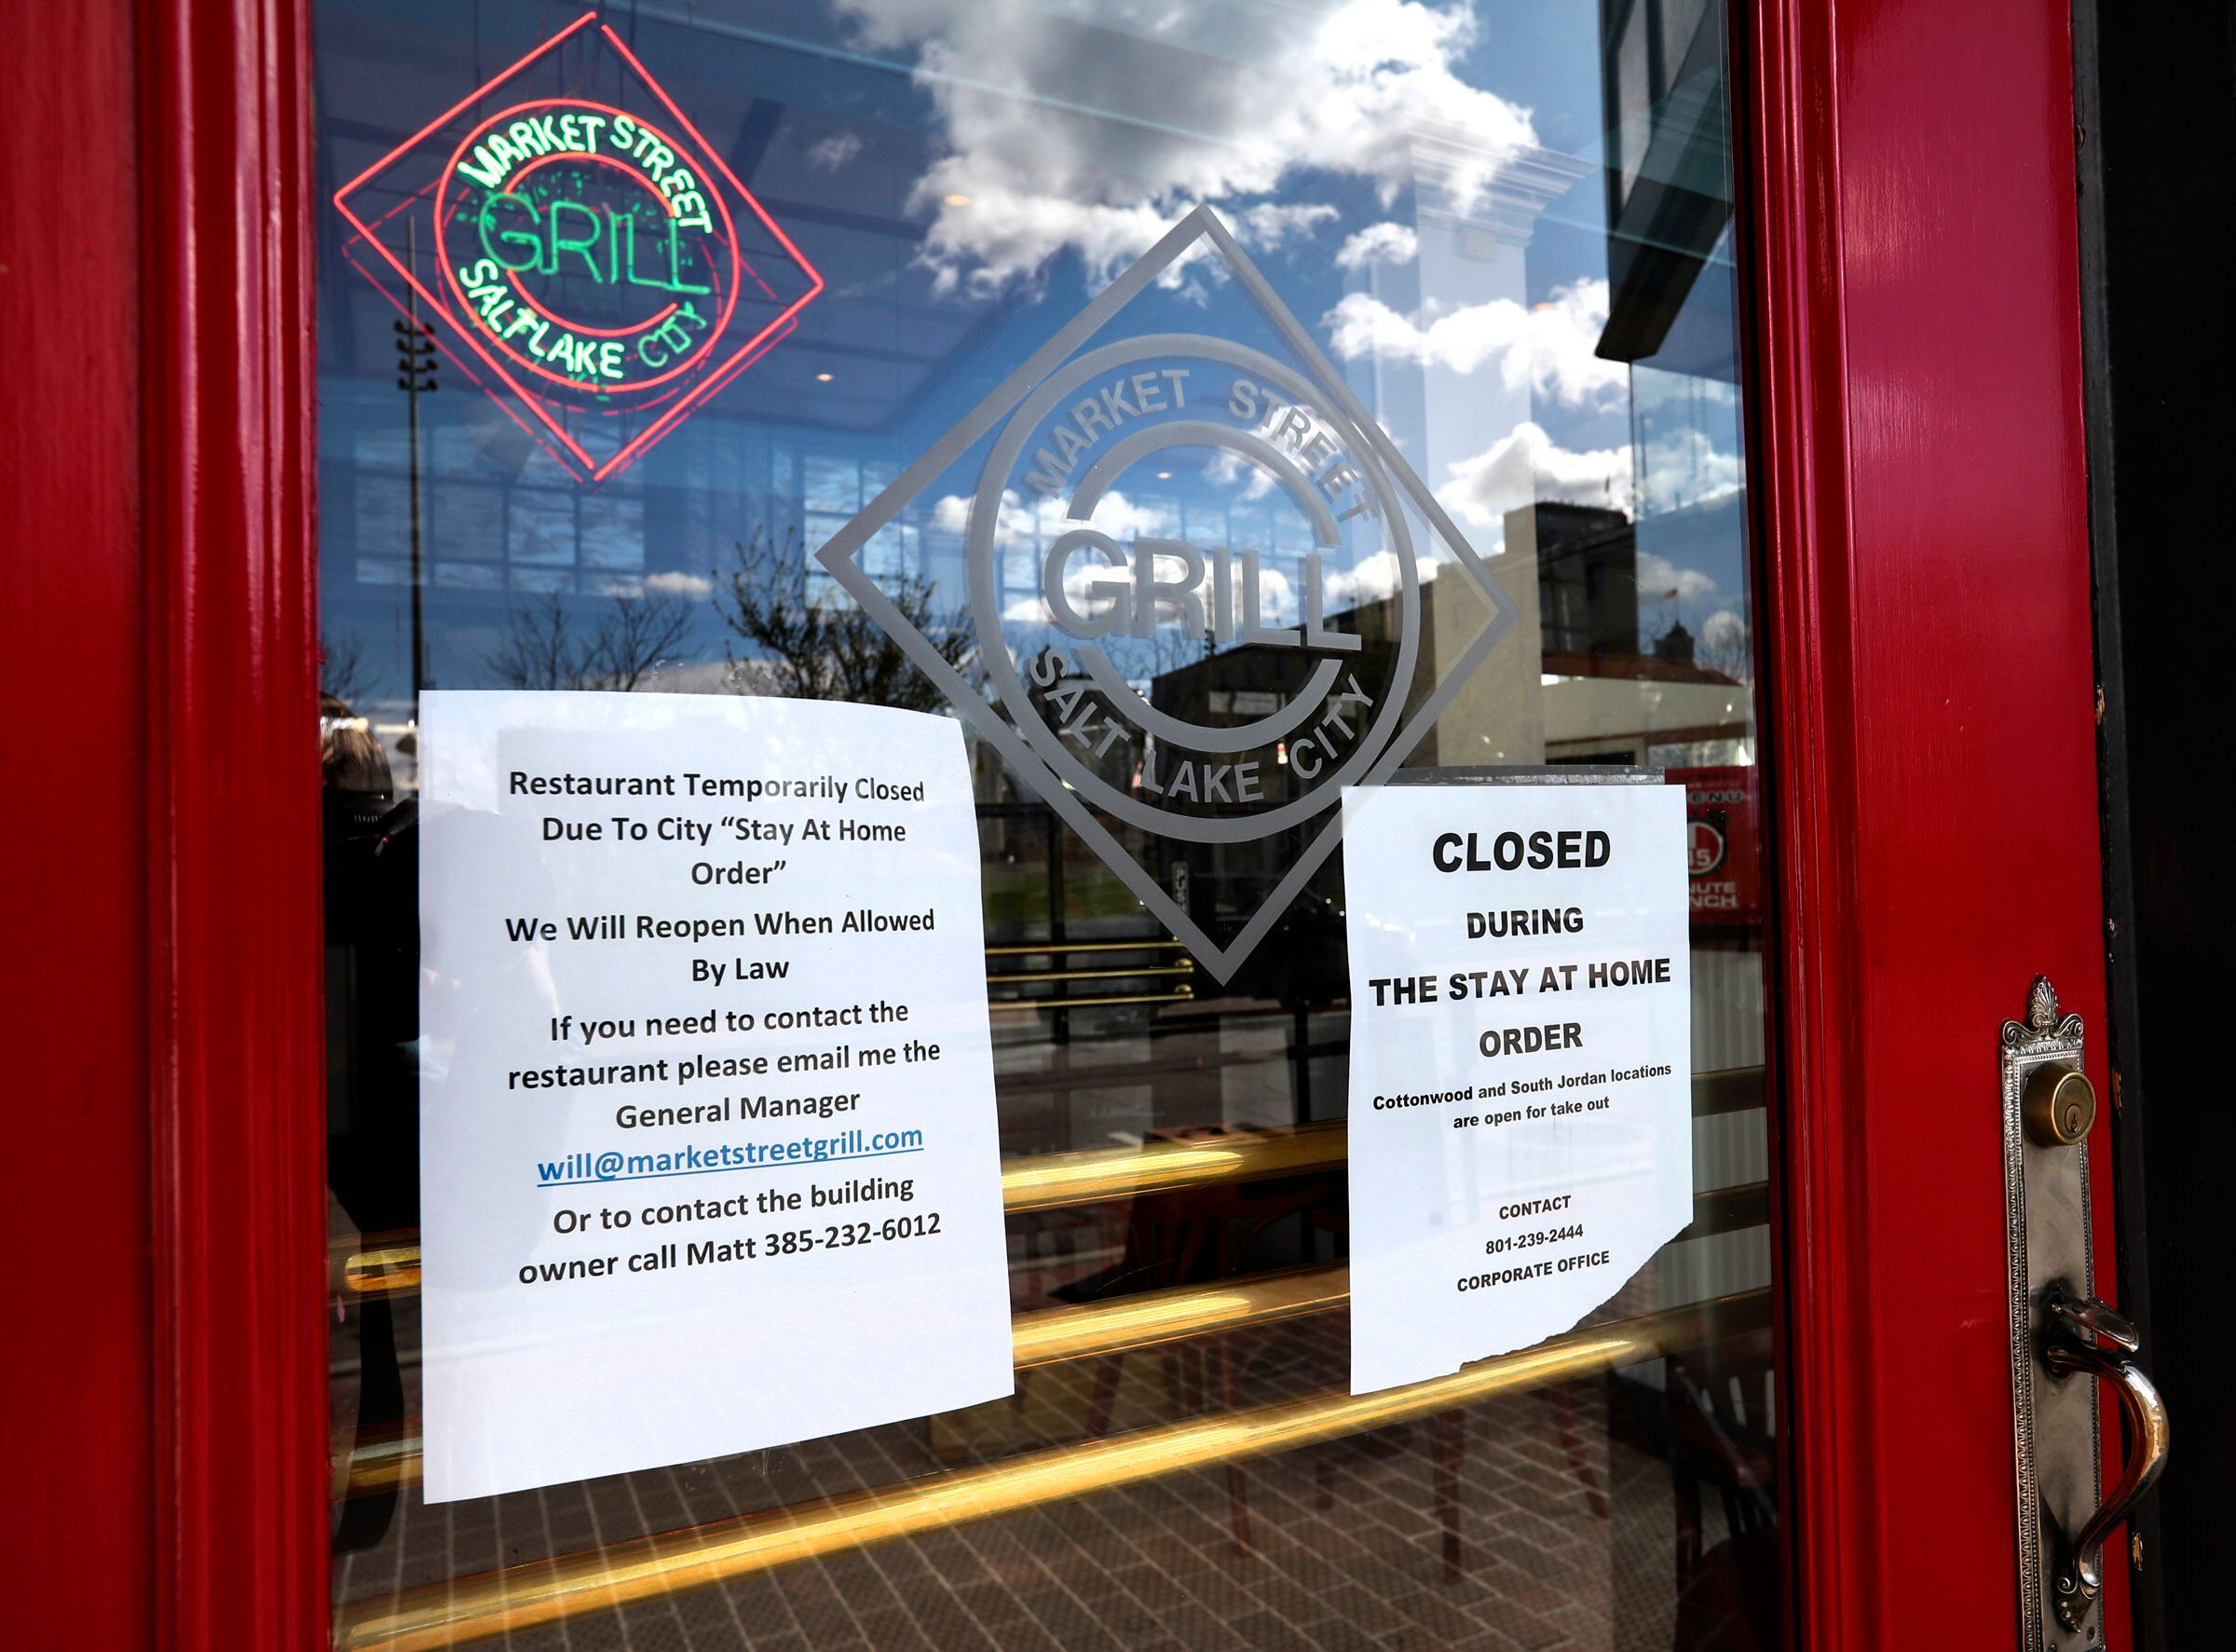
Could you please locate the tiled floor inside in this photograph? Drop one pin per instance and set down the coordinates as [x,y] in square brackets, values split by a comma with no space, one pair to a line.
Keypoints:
[1567,1523]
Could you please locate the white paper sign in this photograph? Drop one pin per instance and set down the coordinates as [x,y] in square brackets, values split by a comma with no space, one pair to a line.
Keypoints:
[707,1140]
[1521,1061]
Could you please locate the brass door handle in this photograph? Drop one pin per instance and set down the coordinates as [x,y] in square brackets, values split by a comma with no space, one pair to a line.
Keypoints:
[2079,1328]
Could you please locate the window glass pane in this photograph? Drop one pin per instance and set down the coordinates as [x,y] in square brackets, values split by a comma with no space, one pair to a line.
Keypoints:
[1504,227]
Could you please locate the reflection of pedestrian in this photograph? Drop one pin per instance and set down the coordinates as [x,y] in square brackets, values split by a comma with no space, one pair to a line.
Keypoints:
[372,962]
[372,1014]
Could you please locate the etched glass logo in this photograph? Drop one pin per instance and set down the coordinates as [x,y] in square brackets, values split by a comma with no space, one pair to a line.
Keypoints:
[1213,676]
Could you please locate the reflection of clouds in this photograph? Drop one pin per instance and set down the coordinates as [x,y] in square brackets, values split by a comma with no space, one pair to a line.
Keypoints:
[1659,579]
[674,582]
[1375,578]
[1684,467]
[835,151]
[1044,518]
[1723,633]
[1526,466]
[1379,243]
[1087,581]
[1266,225]
[1200,109]
[1227,467]
[1550,349]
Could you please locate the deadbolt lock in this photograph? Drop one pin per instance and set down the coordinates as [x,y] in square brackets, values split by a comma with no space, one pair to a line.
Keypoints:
[2058,1105]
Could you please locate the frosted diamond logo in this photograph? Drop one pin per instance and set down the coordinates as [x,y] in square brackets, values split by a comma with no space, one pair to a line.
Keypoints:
[1187,672]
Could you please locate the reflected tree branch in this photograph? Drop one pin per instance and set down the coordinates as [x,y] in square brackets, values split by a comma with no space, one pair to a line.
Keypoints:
[625,643]
[822,646]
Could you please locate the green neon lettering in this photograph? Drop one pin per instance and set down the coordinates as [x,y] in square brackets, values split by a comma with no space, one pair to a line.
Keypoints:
[523,238]
[485,168]
[675,283]
[567,243]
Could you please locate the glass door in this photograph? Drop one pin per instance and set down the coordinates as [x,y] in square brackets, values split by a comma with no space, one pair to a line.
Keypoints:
[725,420]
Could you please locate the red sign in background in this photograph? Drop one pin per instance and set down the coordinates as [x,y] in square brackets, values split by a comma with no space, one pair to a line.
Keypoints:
[591,261]
[1723,844]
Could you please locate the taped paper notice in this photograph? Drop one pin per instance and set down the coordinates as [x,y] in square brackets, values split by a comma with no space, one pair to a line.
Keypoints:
[1521,1061]
[707,1156]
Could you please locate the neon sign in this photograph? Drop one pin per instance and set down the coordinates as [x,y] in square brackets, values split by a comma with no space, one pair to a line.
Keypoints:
[601,268]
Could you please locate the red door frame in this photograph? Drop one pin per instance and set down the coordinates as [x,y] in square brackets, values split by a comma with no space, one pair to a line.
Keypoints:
[1921,476]
[165,1209]
[1908,207]
[234,1015]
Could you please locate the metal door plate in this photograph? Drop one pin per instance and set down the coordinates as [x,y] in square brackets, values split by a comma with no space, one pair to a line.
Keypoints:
[2053,1419]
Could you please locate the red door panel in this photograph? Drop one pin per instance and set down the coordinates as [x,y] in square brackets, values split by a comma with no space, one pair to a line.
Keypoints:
[1921,461]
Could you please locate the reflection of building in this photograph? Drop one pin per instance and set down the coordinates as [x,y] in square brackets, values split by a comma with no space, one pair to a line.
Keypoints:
[1237,686]
[1572,681]
[1601,709]
[1602,698]
[1587,578]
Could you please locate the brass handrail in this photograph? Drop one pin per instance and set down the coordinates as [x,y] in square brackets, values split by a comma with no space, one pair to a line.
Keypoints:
[1050,1336]
[1062,946]
[1028,977]
[1177,995]
[461,1610]
[1725,1209]
[1729,1089]
[1048,1181]
[1041,1337]
[1045,1182]
[1081,1331]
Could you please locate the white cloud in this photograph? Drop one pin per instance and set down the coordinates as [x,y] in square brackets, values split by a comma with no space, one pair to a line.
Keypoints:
[1723,633]
[1044,519]
[1379,243]
[1201,111]
[1277,601]
[674,582]
[1526,466]
[1083,573]
[1548,348]
[1375,576]
[1227,467]
[1684,467]
[1277,597]
[1659,579]
[835,151]
[1266,225]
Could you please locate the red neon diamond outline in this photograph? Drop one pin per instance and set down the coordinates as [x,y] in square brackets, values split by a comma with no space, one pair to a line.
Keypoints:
[717,377]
